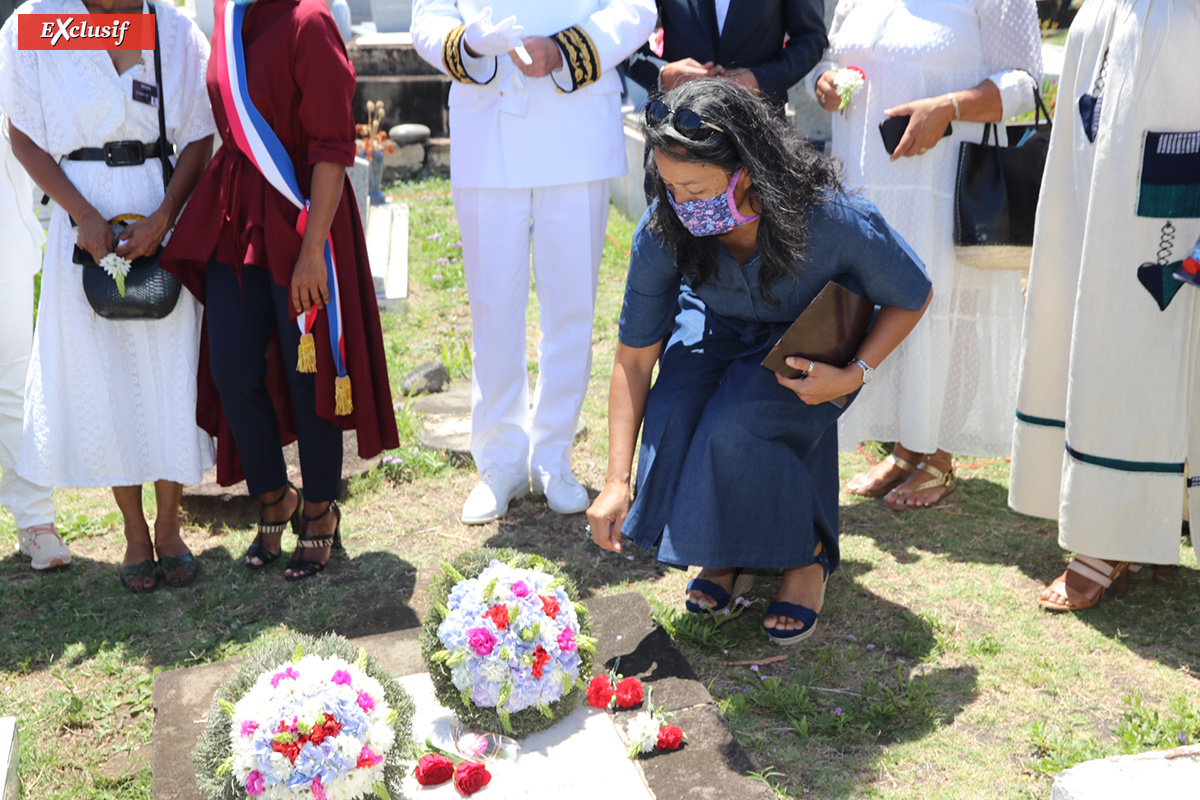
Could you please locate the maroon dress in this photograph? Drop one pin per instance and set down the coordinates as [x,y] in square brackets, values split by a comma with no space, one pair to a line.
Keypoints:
[301,81]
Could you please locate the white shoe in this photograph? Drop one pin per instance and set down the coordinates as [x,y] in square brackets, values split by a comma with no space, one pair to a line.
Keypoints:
[563,493]
[490,498]
[42,545]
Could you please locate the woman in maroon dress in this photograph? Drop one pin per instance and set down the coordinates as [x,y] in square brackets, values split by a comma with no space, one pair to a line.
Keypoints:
[236,248]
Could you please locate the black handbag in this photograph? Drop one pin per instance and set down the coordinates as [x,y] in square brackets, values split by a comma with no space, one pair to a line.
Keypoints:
[150,291]
[996,194]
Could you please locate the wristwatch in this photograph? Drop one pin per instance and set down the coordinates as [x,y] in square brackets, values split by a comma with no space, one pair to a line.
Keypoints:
[867,369]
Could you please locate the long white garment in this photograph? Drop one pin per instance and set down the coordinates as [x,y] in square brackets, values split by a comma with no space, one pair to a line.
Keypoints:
[1104,371]
[564,226]
[951,384]
[108,403]
[29,503]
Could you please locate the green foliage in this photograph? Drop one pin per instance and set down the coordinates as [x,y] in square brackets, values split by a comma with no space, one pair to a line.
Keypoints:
[524,722]
[80,526]
[699,630]
[213,749]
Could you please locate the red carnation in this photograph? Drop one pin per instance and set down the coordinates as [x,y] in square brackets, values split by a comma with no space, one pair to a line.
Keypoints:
[600,692]
[629,692]
[669,737]
[290,750]
[318,734]
[470,777]
[540,659]
[550,606]
[433,769]
[499,616]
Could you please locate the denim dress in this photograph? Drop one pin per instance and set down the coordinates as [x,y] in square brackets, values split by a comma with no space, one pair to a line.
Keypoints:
[735,470]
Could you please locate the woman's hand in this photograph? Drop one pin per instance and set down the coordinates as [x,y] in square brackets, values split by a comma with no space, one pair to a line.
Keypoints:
[607,514]
[823,382]
[143,237]
[310,288]
[95,234]
[827,94]
[927,126]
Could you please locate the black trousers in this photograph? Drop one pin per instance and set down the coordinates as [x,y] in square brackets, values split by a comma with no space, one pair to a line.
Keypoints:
[241,316]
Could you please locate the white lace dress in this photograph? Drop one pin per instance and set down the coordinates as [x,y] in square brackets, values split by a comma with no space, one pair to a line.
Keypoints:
[952,383]
[108,403]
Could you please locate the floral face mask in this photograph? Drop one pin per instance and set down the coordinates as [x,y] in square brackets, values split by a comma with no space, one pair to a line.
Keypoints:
[712,216]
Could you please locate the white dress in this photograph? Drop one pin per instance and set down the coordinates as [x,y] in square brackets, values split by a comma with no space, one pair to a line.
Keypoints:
[952,383]
[108,402]
[1108,410]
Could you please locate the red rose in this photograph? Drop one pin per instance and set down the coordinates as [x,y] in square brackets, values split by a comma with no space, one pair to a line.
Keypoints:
[629,692]
[600,692]
[669,737]
[499,616]
[433,769]
[550,606]
[540,659]
[470,777]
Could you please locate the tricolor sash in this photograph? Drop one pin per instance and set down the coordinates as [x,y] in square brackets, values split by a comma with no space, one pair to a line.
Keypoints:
[255,139]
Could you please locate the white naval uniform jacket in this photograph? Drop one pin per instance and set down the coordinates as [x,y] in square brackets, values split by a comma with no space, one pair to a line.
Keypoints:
[509,131]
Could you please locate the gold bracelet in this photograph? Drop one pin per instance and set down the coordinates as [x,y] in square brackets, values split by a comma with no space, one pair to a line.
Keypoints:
[954,100]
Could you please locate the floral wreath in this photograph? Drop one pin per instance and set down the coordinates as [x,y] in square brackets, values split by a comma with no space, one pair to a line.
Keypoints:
[307,718]
[507,642]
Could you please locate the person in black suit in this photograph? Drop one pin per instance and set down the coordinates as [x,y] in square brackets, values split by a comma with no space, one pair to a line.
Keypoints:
[765,45]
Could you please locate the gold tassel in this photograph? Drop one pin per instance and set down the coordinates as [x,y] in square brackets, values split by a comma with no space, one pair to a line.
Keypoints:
[306,359]
[343,401]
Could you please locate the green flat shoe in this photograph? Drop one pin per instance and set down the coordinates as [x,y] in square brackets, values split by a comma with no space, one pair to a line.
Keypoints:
[146,569]
[170,566]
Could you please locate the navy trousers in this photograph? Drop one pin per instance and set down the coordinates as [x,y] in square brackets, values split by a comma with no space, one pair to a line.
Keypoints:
[241,316]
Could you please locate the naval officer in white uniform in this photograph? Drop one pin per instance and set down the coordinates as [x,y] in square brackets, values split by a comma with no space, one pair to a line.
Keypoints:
[533,146]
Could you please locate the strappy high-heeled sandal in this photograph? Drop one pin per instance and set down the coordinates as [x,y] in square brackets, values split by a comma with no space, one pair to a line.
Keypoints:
[882,489]
[803,614]
[742,582]
[257,549]
[1103,576]
[302,567]
[937,478]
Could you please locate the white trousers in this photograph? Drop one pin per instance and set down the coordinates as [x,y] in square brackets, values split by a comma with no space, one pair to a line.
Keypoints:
[565,227]
[29,503]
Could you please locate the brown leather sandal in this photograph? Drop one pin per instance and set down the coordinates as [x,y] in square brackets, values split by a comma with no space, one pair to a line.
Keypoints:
[1101,576]
[937,478]
[858,485]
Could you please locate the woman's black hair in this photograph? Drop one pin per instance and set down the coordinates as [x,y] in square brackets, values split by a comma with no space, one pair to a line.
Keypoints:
[788,176]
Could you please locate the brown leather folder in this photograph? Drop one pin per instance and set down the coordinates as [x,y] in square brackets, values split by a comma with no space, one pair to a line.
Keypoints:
[829,331]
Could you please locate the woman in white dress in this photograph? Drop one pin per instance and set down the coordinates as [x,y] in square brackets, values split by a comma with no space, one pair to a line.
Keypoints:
[112,402]
[950,387]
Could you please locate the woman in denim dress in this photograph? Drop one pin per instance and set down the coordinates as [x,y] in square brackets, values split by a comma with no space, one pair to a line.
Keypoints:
[738,465]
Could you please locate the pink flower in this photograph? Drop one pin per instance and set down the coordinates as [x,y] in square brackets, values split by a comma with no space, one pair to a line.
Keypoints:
[341,677]
[366,702]
[519,589]
[279,676]
[481,641]
[249,726]
[255,785]
[472,745]
[367,759]
[566,640]
[318,790]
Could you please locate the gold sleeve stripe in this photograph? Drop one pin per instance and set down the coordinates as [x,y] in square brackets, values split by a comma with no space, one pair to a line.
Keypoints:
[452,55]
[581,54]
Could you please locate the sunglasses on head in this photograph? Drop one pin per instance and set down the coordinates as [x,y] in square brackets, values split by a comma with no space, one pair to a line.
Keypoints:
[684,120]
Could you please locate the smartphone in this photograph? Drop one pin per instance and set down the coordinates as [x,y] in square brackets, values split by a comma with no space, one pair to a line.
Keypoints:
[892,129]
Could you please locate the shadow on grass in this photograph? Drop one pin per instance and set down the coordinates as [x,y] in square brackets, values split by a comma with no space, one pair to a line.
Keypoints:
[70,616]
[974,525]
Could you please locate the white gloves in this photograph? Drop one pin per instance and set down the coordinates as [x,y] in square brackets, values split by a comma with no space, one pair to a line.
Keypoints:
[487,39]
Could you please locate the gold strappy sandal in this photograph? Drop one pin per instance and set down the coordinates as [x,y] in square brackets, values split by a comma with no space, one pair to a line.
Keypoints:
[938,478]
[880,490]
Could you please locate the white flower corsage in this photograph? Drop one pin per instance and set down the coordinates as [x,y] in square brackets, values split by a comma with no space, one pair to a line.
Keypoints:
[848,81]
[117,268]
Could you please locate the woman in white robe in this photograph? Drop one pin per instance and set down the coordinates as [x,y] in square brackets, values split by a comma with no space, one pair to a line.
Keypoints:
[949,387]
[112,402]
[1108,405]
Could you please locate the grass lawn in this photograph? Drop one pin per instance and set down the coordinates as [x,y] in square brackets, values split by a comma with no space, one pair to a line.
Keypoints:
[933,674]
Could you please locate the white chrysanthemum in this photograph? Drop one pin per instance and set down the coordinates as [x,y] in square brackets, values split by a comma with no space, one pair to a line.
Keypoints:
[494,671]
[460,676]
[847,80]
[642,731]
[380,737]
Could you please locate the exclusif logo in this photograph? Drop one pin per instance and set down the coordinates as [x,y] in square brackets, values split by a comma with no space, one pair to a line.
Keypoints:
[85,32]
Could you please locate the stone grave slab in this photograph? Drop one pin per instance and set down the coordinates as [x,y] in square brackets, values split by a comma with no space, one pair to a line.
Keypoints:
[387,250]
[10,759]
[711,764]
[1159,774]
[446,420]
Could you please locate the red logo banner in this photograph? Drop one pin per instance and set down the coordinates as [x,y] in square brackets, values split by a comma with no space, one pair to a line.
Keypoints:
[85,31]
